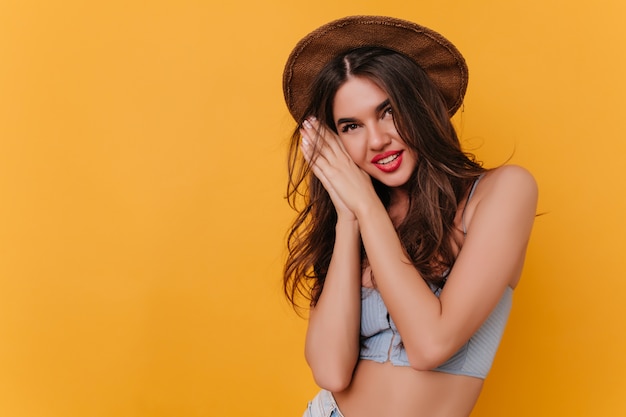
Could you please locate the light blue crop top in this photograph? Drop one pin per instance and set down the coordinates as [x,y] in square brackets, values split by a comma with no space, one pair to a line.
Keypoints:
[381,341]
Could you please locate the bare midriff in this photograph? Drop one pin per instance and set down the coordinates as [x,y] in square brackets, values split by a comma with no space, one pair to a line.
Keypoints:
[382,389]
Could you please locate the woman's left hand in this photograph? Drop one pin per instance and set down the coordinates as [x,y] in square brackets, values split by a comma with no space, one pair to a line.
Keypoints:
[332,165]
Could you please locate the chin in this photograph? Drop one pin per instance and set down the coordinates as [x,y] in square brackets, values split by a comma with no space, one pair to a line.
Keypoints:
[393,182]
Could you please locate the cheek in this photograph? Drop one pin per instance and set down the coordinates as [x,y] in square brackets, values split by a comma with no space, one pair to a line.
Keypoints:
[413,159]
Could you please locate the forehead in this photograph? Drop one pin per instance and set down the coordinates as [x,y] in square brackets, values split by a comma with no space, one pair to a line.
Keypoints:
[358,96]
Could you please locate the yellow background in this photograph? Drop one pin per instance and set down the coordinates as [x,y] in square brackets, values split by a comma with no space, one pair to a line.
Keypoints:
[142,220]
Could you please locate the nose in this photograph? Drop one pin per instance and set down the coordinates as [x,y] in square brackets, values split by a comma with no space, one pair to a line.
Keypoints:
[378,138]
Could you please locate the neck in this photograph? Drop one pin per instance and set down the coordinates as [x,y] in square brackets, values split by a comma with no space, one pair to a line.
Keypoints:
[398,205]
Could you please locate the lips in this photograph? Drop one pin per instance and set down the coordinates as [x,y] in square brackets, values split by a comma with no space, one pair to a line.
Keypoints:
[388,161]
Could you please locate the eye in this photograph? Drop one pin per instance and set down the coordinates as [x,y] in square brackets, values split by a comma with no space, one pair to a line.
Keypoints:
[348,126]
[388,112]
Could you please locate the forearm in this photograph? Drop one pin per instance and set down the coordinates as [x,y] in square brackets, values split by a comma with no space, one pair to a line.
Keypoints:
[491,259]
[416,311]
[332,341]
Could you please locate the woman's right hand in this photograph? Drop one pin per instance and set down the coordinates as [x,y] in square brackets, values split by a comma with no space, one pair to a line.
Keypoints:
[310,151]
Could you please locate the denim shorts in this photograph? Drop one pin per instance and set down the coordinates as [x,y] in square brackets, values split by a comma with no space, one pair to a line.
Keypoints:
[323,405]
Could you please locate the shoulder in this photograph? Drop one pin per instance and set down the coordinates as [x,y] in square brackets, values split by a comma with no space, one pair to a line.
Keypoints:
[511,174]
[508,181]
[509,190]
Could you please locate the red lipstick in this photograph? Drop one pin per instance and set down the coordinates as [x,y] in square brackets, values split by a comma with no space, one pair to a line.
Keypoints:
[388,161]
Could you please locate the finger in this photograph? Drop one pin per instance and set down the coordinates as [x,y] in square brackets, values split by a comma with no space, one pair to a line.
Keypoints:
[324,160]
[313,153]
[316,161]
[328,186]
[341,146]
[305,147]
[308,147]
[313,163]
[322,137]
[330,139]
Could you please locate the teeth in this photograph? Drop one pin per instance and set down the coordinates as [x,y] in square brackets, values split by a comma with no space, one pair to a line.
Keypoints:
[388,159]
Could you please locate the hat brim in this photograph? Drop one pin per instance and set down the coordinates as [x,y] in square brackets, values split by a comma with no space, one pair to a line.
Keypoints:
[437,56]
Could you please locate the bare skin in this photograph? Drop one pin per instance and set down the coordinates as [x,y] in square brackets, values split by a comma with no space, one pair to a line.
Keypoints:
[386,390]
[499,219]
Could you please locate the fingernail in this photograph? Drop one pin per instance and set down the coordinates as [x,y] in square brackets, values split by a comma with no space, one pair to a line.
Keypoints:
[307,124]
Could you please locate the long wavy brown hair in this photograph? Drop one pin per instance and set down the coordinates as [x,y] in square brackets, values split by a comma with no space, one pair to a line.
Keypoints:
[442,175]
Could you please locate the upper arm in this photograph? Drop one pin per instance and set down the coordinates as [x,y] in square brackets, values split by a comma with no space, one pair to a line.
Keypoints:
[493,253]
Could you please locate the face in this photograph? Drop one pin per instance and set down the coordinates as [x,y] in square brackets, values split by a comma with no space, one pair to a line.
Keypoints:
[364,120]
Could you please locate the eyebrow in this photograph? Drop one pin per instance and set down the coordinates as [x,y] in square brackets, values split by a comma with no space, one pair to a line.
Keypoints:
[378,109]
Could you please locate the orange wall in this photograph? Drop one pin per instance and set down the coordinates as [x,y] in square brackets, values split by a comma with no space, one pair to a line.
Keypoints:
[142,220]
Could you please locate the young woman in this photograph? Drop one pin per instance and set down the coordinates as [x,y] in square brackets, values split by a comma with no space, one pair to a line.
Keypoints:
[407,248]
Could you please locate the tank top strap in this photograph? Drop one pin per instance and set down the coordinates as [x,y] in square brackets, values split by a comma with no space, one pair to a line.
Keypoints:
[469,197]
